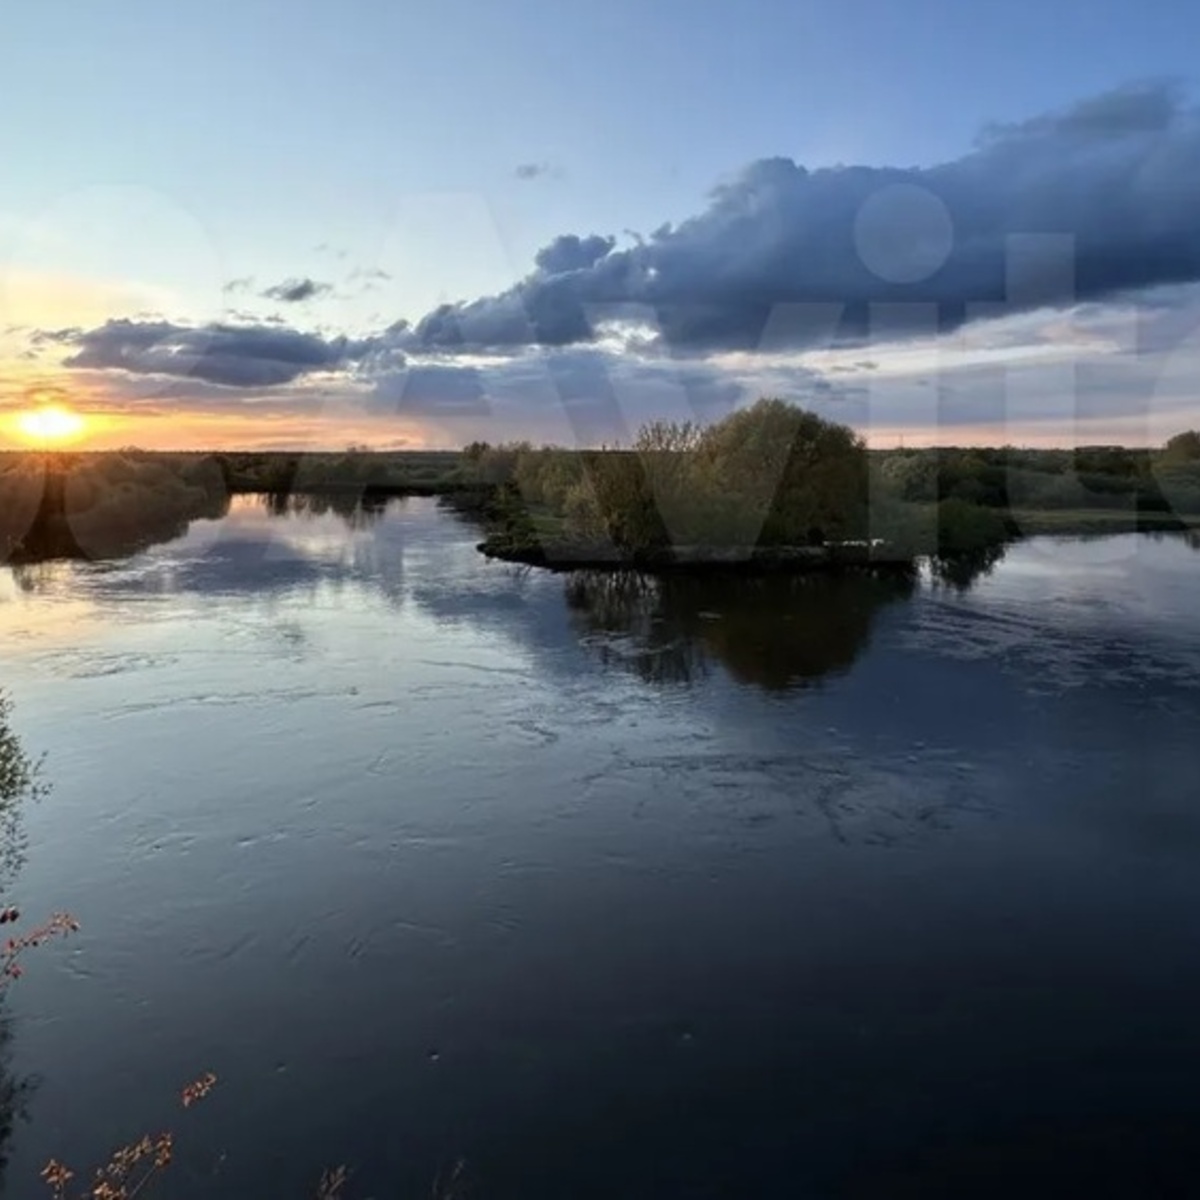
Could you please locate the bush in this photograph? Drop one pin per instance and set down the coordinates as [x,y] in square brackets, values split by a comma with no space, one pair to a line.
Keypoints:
[967,528]
[912,477]
[1179,486]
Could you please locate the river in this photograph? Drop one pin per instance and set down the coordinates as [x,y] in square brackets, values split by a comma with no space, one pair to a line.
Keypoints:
[603,887]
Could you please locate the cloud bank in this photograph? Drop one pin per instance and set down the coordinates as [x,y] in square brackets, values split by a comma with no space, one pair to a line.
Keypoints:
[233,356]
[1103,197]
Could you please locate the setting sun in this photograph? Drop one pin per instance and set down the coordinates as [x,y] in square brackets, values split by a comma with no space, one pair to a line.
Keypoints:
[51,423]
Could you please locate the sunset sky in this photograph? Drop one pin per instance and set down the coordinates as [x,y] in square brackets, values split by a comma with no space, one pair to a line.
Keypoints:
[306,224]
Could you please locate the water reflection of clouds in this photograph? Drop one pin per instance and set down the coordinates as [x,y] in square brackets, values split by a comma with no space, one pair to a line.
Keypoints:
[768,633]
[259,549]
[265,545]
[253,555]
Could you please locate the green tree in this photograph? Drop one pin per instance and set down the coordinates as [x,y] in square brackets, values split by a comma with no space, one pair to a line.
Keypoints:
[1182,448]
[789,476]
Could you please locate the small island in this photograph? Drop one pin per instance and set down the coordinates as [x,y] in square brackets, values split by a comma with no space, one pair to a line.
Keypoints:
[774,488]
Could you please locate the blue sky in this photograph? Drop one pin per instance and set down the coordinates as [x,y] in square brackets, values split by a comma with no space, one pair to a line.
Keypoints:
[178,161]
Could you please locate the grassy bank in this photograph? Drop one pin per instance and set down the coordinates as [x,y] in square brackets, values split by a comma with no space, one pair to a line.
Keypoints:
[1082,522]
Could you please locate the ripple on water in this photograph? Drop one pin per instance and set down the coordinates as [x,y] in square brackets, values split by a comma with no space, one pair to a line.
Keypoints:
[1056,647]
[612,871]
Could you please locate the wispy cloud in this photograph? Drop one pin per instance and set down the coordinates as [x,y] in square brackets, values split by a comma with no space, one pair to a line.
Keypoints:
[296,291]
[529,171]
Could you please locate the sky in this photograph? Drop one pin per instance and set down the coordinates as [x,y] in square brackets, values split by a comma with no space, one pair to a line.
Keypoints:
[309,224]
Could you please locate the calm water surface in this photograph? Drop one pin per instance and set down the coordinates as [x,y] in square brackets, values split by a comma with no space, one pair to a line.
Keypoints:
[827,888]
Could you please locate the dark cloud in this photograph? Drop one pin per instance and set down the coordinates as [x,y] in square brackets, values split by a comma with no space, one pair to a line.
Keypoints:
[244,284]
[1114,182]
[242,356]
[571,253]
[296,291]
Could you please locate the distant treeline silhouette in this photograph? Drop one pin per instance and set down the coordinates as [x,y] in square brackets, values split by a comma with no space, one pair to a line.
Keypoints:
[772,481]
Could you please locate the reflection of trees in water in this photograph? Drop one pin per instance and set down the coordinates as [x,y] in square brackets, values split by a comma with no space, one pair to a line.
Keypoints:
[963,571]
[34,577]
[629,604]
[1190,537]
[773,631]
[19,782]
[360,510]
[15,1095]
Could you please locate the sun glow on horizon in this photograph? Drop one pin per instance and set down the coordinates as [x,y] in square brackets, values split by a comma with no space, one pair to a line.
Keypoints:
[50,424]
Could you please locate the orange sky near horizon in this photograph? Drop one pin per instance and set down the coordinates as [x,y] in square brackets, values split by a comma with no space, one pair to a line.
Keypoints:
[111,429]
